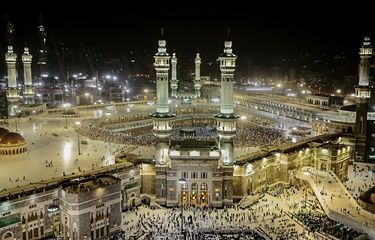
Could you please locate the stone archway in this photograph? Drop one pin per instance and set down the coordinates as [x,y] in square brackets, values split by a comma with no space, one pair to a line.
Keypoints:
[350,130]
[203,195]
[132,197]
[8,236]
[194,194]
[323,167]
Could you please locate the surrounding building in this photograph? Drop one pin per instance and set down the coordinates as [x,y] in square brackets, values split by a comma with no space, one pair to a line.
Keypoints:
[188,170]
[90,208]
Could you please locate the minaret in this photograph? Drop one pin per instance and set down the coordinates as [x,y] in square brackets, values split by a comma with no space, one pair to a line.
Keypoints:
[42,51]
[174,81]
[226,119]
[197,79]
[363,93]
[364,66]
[12,90]
[29,90]
[162,121]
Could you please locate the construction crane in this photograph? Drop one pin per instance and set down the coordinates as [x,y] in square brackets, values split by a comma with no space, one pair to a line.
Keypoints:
[88,55]
[60,60]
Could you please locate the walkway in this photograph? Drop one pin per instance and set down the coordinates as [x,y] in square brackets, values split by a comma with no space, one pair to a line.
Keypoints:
[337,202]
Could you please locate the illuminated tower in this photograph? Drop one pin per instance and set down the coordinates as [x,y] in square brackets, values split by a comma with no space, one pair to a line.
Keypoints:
[197,79]
[12,90]
[29,90]
[363,93]
[162,121]
[42,51]
[174,81]
[226,119]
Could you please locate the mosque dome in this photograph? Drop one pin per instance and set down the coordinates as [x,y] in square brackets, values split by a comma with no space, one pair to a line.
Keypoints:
[3,132]
[12,138]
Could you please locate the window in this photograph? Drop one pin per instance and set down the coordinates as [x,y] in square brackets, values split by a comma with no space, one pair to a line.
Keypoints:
[194,175]
[185,175]
[32,206]
[36,233]
[204,175]
[6,214]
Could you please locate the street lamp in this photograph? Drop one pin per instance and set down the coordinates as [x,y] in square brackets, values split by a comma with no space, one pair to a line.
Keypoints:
[16,123]
[146,91]
[66,121]
[182,181]
[79,145]
[127,94]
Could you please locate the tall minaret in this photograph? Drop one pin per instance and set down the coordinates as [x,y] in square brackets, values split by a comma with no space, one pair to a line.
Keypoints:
[364,66]
[174,81]
[363,93]
[197,79]
[162,121]
[226,119]
[29,90]
[42,51]
[12,90]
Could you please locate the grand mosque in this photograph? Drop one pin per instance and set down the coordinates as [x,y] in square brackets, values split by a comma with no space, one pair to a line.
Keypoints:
[203,154]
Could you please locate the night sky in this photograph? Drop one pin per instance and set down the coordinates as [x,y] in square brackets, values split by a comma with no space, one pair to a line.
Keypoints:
[256,30]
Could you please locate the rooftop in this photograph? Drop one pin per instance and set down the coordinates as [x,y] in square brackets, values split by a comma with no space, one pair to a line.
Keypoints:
[89,184]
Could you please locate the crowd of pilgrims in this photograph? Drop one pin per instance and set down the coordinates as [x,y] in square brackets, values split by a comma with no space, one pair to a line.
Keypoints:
[207,223]
[321,223]
[254,136]
[263,220]
[139,131]
[363,179]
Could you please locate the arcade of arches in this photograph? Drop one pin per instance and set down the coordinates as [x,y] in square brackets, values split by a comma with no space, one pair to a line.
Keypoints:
[194,195]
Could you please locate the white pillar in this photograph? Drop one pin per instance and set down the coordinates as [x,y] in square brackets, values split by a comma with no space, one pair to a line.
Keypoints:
[29,90]
[162,117]
[162,66]
[197,80]
[227,67]
[174,81]
[12,90]
[11,58]
[364,66]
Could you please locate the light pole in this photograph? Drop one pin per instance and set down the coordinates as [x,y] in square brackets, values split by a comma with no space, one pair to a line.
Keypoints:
[87,101]
[16,123]
[127,95]
[79,145]
[182,181]
[145,97]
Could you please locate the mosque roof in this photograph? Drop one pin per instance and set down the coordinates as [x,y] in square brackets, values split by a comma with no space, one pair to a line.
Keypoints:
[12,138]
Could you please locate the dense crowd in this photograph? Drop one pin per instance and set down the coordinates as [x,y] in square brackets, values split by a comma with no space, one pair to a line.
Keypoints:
[362,178]
[321,223]
[263,219]
[137,130]
[252,136]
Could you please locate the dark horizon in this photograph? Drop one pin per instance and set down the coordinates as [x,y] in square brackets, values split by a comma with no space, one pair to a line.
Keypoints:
[256,32]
